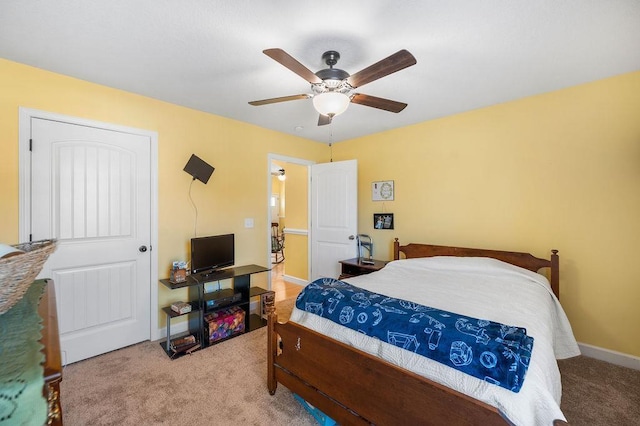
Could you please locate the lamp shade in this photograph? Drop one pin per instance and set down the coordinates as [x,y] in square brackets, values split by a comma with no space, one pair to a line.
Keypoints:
[331,103]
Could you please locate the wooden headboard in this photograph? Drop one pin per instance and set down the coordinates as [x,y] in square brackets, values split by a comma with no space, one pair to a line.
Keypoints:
[523,260]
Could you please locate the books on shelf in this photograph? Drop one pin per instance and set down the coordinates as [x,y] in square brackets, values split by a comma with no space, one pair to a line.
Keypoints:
[181,307]
[185,344]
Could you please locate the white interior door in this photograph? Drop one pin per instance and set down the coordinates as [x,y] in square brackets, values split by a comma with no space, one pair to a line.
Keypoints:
[91,190]
[334,216]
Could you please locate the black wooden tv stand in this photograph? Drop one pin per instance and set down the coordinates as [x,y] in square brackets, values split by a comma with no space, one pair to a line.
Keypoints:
[241,276]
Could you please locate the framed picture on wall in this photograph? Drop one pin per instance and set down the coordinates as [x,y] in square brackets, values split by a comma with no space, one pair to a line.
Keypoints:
[383,220]
[382,190]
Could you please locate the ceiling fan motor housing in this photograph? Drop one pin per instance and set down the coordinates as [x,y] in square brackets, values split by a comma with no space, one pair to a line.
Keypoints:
[330,58]
[332,74]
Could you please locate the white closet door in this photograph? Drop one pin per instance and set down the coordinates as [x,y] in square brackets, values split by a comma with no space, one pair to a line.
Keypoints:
[91,191]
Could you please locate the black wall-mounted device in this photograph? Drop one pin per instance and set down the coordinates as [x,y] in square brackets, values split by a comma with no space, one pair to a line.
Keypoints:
[199,169]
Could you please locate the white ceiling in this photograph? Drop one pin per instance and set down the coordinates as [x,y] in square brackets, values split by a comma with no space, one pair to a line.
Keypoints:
[207,54]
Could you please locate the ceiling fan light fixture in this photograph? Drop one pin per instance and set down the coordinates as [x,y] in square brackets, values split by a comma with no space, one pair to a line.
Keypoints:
[279,174]
[331,103]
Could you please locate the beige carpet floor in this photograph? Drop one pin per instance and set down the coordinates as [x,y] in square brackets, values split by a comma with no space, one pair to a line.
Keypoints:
[226,384]
[598,393]
[139,385]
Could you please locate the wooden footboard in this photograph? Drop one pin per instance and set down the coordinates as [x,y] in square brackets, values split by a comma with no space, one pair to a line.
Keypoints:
[353,387]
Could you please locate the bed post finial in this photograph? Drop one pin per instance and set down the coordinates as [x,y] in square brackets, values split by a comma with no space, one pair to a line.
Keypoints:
[396,249]
[269,302]
[555,273]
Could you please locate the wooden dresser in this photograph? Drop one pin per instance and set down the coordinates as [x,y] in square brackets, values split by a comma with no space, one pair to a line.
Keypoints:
[52,364]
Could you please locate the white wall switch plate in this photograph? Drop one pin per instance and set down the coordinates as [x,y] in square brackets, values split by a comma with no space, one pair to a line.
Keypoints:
[248,222]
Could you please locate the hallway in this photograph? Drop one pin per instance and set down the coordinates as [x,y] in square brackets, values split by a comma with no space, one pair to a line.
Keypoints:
[284,290]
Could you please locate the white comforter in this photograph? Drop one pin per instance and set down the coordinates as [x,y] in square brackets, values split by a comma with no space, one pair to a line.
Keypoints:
[480,288]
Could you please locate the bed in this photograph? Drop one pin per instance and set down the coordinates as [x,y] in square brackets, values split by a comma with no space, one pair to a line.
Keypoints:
[357,380]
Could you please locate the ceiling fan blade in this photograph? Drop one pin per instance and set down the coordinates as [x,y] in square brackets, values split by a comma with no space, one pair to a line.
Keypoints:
[324,120]
[290,62]
[380,103]
[396,62]
[280,99]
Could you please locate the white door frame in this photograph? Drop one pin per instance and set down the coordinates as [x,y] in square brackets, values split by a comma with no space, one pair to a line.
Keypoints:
[24,170]
[283,158]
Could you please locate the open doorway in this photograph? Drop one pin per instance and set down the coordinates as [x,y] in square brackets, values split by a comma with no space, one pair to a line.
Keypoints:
[288,216]
[278,211]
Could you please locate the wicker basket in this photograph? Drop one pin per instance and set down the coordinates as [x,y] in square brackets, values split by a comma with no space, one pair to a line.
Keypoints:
[18,272]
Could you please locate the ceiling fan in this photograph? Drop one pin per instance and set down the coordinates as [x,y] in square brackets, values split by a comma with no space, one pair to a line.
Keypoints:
[333,89]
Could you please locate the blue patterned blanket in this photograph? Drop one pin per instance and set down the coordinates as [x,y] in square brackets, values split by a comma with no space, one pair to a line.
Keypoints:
[487,350]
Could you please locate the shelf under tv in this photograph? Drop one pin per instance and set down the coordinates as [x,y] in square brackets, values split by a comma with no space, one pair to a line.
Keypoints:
[241,284]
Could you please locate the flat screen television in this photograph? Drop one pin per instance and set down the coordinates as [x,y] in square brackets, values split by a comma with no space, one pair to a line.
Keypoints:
[211,253]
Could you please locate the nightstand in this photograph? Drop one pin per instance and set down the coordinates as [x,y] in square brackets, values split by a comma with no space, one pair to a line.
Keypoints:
[354,267]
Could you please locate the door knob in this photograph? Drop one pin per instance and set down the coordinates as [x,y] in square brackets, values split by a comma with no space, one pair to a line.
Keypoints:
[352,237]
[142,249]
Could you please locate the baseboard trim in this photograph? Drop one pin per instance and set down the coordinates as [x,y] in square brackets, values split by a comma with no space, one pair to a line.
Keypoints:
[613,357]
[294,280]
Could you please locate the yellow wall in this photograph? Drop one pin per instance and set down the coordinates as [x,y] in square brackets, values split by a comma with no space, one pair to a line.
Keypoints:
[559,170]
[239,151]
[296,246]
